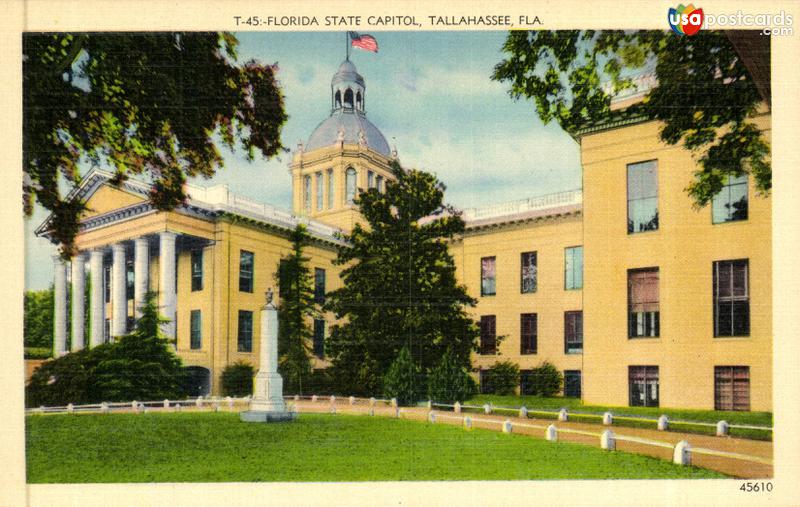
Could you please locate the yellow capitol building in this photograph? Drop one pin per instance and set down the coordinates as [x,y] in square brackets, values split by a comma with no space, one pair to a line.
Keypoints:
[634,295]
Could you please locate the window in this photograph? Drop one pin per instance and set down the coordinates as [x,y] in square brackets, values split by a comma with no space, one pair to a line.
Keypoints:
[573,268]
[107,284]
[642,197]
[106,330]
[528,331]
[320,192]
[572,383]
[319,338]
[488,281]
[130,285]
[307,193]
[486,384]
[246,271]
[130,323]
[195,330]
[731,388]
[197,270]
[331,188]
[380,183]
[643,386]
[370,179]
[730,204]
[350,185]
[319,286]
[528,272]
[488,335]
[245,331]
[643,314]
[573,332]
[526,382]
[731,298]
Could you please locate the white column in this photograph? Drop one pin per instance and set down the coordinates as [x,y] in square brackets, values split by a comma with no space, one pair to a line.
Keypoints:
[166,268]
[141,273]
[119,303]
[60,307]
[97,316]
[78,306]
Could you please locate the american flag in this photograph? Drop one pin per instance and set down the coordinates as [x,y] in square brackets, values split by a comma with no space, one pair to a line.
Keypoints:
[366,42]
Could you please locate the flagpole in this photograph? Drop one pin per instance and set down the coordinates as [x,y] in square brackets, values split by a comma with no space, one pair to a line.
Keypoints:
[347,45]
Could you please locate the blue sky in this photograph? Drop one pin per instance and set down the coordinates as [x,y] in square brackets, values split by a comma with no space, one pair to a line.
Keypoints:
[431,96]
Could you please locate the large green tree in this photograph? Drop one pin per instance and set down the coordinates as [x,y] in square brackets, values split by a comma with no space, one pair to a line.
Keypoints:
[296,308]
[143,103]
[400,286]
[38,319]
[706,95]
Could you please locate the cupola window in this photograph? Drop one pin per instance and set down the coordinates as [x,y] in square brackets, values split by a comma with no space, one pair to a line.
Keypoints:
[350,185]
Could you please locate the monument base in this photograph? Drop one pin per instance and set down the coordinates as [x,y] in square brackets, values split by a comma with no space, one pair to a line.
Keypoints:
[266,417]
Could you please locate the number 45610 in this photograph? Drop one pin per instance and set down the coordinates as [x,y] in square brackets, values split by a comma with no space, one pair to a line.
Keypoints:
[756,487]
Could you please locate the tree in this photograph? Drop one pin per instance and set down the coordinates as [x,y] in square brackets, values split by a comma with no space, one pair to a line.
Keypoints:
[403,380]
[503,377]
[143,103]
[296,308]
[237,379]
[400,285]
[449,382]
[545,380]
[38,320]
[139,366]
[705,94]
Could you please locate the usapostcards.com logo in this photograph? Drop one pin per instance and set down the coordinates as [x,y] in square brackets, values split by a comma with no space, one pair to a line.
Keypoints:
[685,20]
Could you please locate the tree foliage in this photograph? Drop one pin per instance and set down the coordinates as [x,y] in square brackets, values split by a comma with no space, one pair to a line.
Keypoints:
[403,381]
[237,379]
[544,380]
[296,308]
[449,382]
[400,287]
[143,103]
[139,366]
[38,318]
[705,95]
[503,378]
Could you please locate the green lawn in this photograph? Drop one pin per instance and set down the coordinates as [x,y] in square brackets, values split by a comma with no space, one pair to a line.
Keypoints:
[574,404]
[211,447]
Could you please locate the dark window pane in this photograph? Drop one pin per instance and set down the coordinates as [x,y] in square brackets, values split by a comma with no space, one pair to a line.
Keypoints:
[528,333]
[129,281]
[731,298]
[643,386]
[245,331]
[319,338]
[731,203]
[197,270]
[246,271]
[488,335]
[572,383]
[319,286]
[732,388]
[573,332]
[195,330]
[528,272]
[643,303]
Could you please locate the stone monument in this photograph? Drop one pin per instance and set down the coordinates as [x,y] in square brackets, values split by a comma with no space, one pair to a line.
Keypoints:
[267,404]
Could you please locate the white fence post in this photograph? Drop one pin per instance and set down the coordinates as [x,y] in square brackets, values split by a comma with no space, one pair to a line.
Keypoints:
[682,454]
[722,428]
[608,419]
[551,433]
[104,407]
[562,415]
[507,426]
[166,403]
[230,401]
[352,400]
[397,412]
[135,406]
[487,409]
[372,402]
[199,401]
[663,423]
[467,423]
[608,441]
[432,417]
[333,399]
[70,408]
[457,408]
[314,399]
[523,412]
[296,397]
[394,402]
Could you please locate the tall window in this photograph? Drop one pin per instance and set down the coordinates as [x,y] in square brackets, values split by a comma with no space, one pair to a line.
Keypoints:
[130,285]
[350,185]
[195,330]
[319,286]
[528,272]
[106,330]
[572,383]
[528,333]
[380,183]
[643,314]
[731,298]
[573,268]
[331,188]
[642,197]
[245,331]
[488,335]
[246,271]
[488,276]
[197,270]
[370,179]
[307,193]
[730,204]
[731,388]
[573,332]
[107,284]
[643,386]
[319,338]
[486,384]
[320,192]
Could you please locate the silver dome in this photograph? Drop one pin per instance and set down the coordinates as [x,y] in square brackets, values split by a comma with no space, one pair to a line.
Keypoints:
[351,122]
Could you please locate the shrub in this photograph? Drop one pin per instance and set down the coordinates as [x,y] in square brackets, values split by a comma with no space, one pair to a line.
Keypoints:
[544,380]
[503,377]
[449,382]
[38,352]
[403,380]
[237,379]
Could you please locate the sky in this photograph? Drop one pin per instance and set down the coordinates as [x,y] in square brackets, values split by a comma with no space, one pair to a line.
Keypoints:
[431,95]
